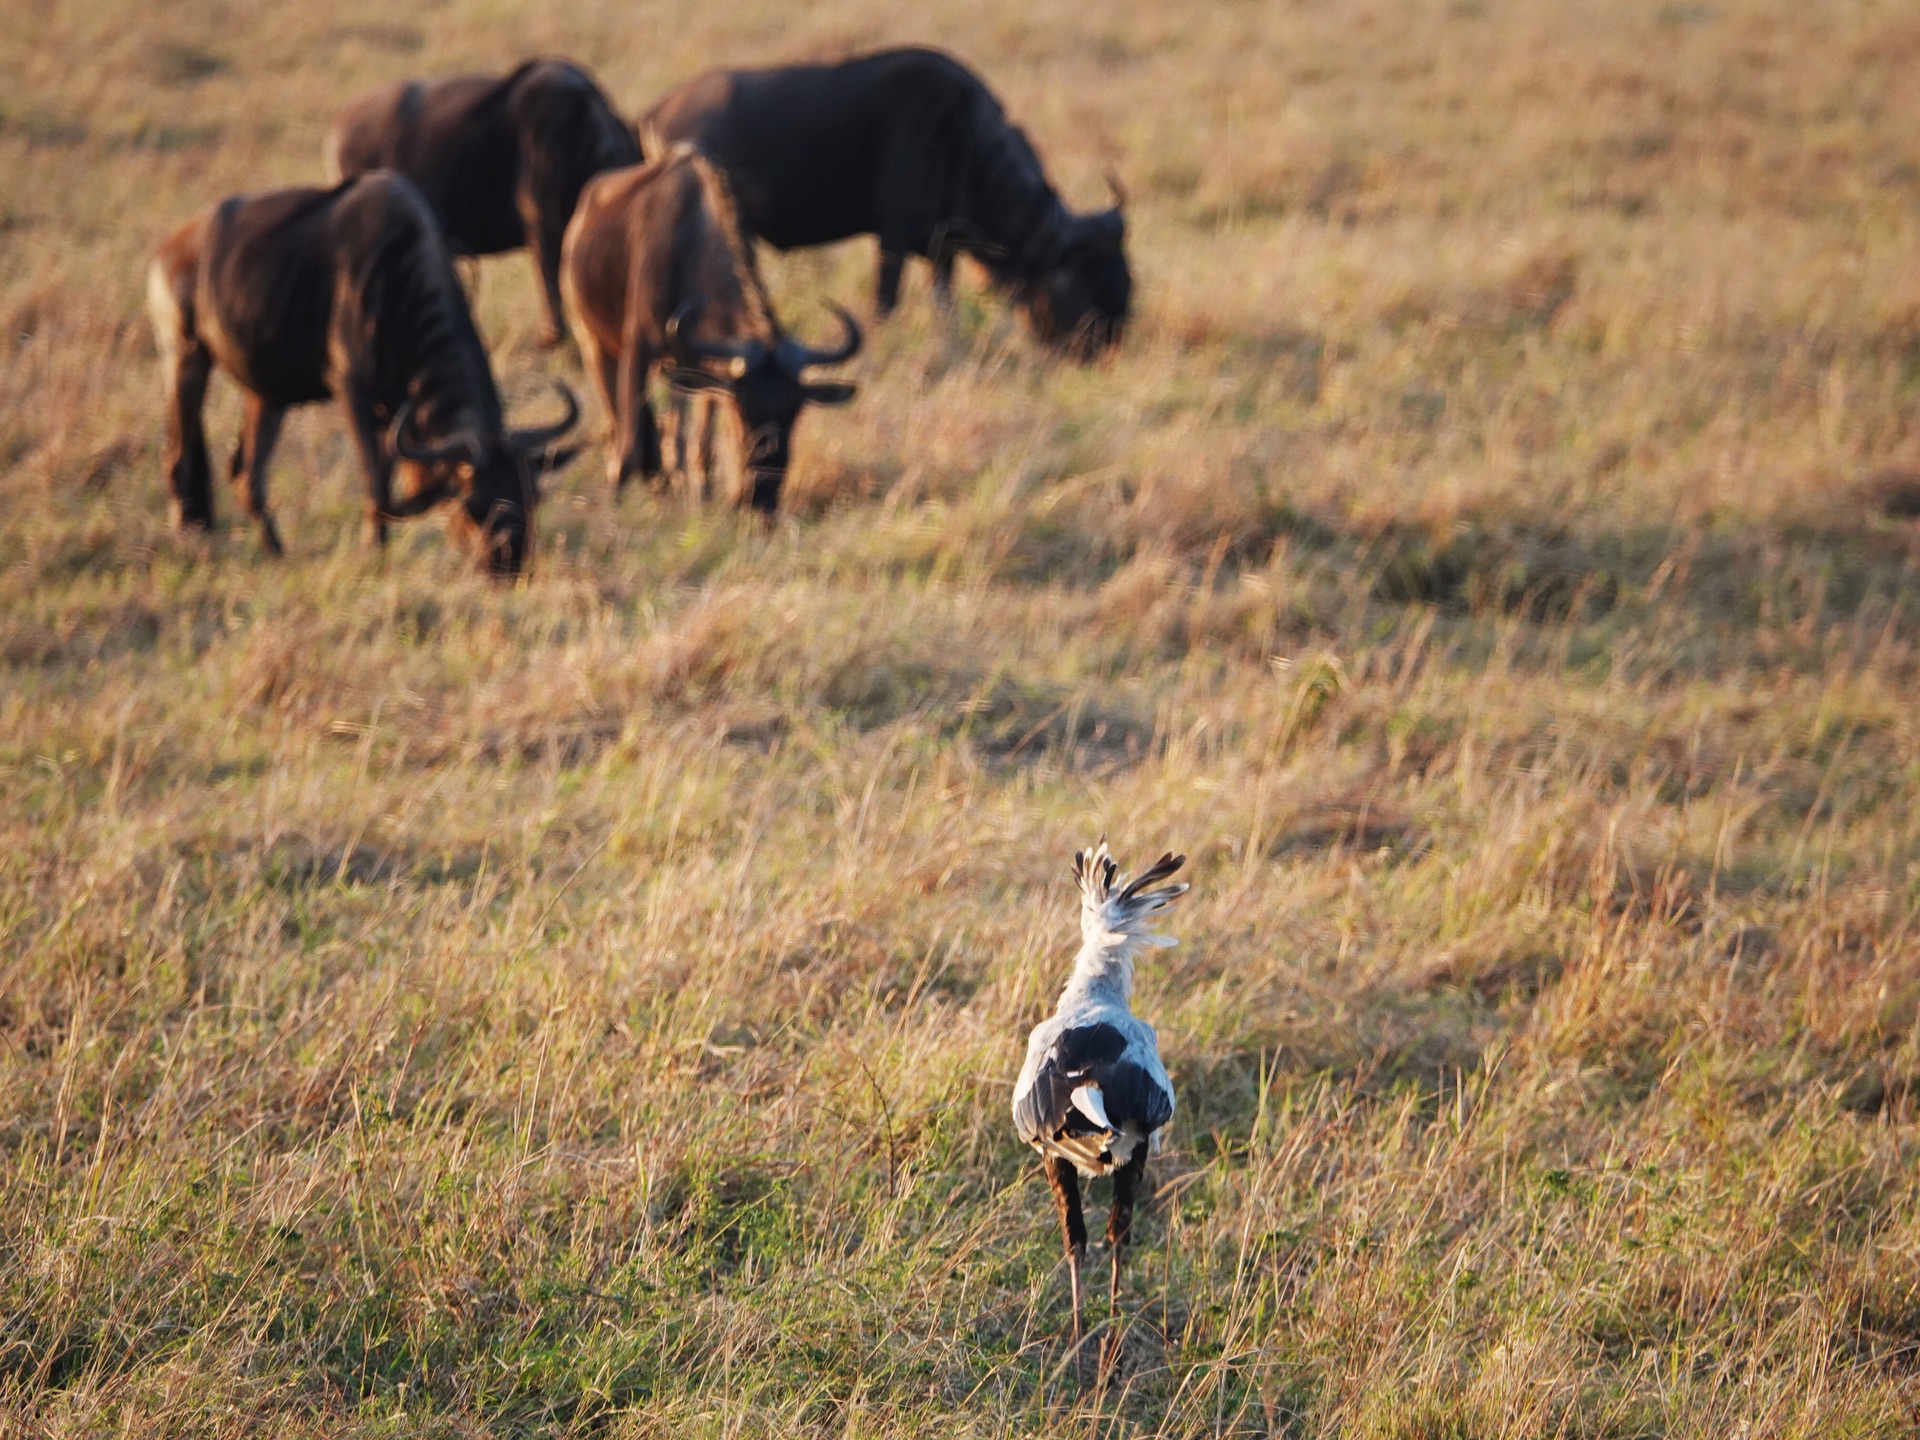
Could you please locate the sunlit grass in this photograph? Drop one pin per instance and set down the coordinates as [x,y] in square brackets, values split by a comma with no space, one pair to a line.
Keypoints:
[433,1008]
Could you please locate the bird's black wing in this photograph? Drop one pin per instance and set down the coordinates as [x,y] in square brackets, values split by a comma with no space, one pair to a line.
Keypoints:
[1134,1096]
[1084,1053]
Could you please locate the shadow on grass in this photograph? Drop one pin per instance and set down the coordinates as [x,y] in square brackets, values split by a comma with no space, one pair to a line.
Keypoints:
[1782,589]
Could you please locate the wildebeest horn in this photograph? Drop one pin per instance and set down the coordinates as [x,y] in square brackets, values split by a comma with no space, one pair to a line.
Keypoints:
[461,447]
[1119,190]
[538,438]
[740,355]
[797,356]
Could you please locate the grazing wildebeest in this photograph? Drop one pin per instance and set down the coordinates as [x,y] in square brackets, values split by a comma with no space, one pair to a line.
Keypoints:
[910,146]
[348,293]
[656,274]
[502,159]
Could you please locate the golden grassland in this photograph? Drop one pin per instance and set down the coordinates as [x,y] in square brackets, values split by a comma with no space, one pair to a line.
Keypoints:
[430,1008]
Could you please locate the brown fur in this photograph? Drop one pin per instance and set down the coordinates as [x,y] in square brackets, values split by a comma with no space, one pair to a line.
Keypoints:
[305,295]
[652,242]
[502,159]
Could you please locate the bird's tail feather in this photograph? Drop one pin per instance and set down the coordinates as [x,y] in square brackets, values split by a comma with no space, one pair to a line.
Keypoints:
[1112,916]
[1090,1102]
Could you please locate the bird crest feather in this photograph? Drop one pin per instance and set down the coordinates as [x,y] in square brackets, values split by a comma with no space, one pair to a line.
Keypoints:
[1118,911]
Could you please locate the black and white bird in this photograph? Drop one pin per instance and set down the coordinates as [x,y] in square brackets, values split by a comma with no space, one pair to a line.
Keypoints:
[1093,1097]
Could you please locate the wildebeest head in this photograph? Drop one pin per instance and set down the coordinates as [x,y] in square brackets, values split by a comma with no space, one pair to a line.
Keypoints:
[1081,300]
[495,478]
[768,386]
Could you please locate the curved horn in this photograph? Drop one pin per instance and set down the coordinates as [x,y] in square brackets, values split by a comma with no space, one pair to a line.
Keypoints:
[541,436]
[1119,190]
[461,447]
[740,355]
[805,355]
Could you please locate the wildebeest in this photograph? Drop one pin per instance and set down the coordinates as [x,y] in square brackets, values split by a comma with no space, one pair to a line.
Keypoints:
[348,293]
[656,274]
[911,146]
[502,159]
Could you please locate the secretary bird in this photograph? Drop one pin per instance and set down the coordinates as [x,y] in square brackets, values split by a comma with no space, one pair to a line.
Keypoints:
[1093,1096]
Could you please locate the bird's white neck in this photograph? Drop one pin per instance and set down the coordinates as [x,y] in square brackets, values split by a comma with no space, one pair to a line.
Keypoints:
[1102,974]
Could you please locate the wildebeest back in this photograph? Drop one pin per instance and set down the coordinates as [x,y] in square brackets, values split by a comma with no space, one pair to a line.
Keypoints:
[767,129]
[265,292]
[911,146]
[453,139]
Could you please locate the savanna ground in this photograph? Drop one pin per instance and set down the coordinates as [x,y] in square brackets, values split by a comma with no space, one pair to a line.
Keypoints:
[431,1008]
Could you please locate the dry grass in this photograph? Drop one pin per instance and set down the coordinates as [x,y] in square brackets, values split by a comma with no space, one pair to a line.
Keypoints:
[437,1009]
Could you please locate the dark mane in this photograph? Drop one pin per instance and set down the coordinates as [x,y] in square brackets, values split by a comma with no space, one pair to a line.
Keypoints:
[431,351]
[1006,194]
[725,215]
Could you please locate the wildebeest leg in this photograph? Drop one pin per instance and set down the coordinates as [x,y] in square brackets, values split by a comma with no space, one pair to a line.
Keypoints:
[760,487]
[762,494]
[187,365]
[544,237]
[692,442]
[647,437]
[189,471]
[943,280]
[688,468]
[636,438]
[673,441]
[887,291]
[605,370]
[374,459]
[708,409]
[1126,1186]
[1065,1181]
[259,432]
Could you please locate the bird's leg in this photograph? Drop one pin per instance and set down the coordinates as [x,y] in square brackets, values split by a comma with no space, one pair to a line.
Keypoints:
[1065,1181]
[1126,1185]
[1079,1303]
